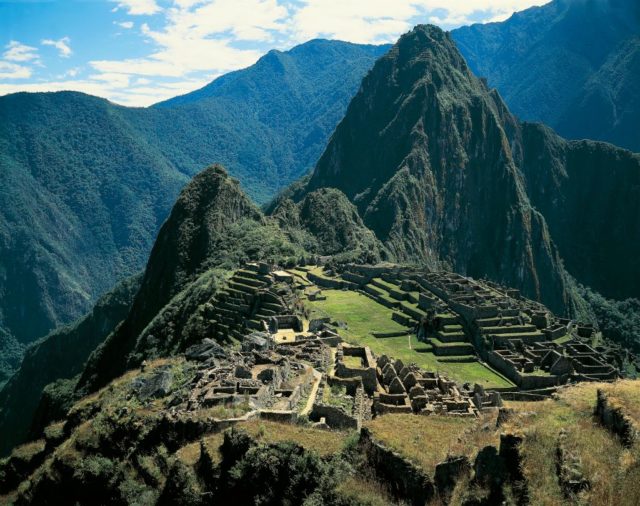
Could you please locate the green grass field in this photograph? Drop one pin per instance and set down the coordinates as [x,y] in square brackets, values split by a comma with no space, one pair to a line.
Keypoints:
[363,316]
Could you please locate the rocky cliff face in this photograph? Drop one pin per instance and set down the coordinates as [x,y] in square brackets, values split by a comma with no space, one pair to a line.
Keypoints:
[423,153]
[589,193]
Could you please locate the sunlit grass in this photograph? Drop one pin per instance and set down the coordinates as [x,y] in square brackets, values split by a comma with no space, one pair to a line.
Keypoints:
[364,316]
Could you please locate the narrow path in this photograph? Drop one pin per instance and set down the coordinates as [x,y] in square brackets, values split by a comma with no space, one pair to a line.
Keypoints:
[312,395]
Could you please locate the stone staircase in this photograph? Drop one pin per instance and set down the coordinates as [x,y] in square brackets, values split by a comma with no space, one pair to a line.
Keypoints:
[244,303]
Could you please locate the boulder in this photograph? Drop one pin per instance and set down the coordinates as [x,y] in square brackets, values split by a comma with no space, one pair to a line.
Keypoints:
[155,386]
[205,350]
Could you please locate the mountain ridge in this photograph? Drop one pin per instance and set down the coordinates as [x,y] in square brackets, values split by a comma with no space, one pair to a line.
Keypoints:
[86,184]
[552,63]
[437,139]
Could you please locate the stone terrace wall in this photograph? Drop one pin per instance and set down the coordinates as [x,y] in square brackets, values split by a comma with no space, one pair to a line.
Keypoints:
[405,480]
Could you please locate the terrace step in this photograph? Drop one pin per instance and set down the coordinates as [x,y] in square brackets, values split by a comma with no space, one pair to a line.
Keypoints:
[240,287]
[412,311]
[254,324]
[277,308]
[265,313]
[450,349]
[526,337]
[222,312]
[244,273]
[252,267]
[509,329]
[447,319]
[239,308]
[451,337]
[256,283]
[414,298]
[389,289]
[233,293]
[495,321]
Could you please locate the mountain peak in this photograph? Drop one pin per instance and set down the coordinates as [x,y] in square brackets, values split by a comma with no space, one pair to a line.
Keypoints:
[424,154]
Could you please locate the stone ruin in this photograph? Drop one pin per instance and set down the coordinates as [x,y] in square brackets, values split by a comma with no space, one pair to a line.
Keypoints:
[461,317]
[381,385]
[408,389]
[287,359]
[265,382]
[521,338]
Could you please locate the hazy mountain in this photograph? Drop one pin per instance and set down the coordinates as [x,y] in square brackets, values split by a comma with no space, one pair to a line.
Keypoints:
[59,356]
[86,184]
[572,64]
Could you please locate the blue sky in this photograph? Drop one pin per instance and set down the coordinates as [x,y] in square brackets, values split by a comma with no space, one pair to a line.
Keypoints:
[137,52]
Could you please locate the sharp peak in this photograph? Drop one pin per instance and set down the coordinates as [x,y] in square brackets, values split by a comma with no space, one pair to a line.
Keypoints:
[214,173]
[426,32]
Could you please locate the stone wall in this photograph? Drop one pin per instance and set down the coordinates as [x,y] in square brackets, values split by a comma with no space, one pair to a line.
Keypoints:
[334,416]
[614,419]
[405,481]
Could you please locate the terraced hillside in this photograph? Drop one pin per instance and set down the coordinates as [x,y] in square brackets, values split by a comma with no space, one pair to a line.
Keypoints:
[469,330]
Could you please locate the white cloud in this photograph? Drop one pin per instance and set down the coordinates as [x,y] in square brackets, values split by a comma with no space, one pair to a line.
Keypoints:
[198,37]
[138,7]
[192,41]
[62,45]
[10,70]
[377,21]
[18,52]
[134,95]
[363,21]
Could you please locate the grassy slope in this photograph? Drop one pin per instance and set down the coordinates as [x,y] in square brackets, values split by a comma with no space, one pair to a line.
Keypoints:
[363,316]
[612,470]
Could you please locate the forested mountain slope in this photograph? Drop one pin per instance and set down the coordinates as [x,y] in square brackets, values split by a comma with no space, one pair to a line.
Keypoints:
[571,64]
[444,174]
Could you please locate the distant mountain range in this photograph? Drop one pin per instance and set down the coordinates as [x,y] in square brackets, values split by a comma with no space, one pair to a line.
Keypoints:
[571,64]
[86,184]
